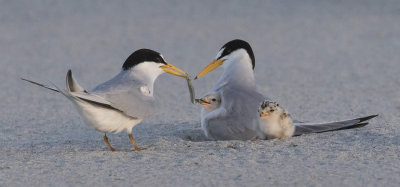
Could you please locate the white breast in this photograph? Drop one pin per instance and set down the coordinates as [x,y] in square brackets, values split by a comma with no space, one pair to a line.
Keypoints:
[271,127]
[105,120]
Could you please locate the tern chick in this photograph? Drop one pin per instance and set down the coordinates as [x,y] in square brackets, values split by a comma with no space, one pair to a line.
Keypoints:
[210,102]
[274,122]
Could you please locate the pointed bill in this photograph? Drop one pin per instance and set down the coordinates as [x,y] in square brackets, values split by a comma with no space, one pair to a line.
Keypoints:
[202,101]
[171,69]
[214,64]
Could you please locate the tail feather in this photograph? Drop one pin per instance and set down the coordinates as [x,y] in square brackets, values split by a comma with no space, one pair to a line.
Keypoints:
[305,128]
[41,85]
[72,84]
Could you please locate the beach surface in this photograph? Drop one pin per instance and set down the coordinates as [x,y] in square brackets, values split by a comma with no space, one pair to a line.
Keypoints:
[322,61]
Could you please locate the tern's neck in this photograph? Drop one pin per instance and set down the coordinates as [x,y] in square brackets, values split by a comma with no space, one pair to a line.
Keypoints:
[145,73]
[237,71]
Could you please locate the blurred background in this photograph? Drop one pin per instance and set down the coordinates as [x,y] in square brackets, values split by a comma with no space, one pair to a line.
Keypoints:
[322,60]
[307,47]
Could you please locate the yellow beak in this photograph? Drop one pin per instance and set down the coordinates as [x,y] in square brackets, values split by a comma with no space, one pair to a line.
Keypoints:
[264,114]
[171,69]
[214,64]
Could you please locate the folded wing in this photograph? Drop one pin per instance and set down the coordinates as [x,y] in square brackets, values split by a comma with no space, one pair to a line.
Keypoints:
[305,128]
[240,115]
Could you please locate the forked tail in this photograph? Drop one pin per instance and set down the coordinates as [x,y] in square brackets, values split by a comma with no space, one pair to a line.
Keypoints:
[41,85]
[71,84]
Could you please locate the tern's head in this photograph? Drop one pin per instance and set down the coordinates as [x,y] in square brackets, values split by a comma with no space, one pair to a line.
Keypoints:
[150,62]
[268,108]
[210,102]
[230,53]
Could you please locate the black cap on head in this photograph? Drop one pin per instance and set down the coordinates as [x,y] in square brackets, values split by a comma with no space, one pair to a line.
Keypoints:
[140,56]
[235,45]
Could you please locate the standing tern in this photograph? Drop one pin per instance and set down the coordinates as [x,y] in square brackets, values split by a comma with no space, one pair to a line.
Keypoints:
[125,100]
[236,117]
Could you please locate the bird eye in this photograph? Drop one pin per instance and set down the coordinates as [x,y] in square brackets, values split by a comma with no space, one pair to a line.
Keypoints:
[213,99]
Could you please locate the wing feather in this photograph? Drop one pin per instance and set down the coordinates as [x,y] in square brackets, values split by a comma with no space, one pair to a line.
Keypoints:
[239,120]
[305,128]
[126,95]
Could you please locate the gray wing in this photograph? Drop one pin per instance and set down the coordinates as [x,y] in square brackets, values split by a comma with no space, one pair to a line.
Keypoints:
[305,128]
[122,96]
[126,96]
[75,92]
[241,105]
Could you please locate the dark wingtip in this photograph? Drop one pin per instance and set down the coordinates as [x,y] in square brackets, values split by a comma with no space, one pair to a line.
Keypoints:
[27,80]
[367,118]
[195,78]
[359,125]
[30,81]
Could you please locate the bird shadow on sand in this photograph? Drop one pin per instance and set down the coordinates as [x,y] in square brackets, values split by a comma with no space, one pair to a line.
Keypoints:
[189,132]
[193,135]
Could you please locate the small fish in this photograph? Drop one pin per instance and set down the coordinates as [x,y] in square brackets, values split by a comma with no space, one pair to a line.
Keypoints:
[191,89]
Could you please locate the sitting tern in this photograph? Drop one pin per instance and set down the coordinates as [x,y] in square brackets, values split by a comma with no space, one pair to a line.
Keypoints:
[124,101]
[274,122]
[236,117]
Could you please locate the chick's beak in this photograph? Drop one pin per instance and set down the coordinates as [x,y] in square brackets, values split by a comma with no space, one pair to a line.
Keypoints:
[214,64]
[171,69]
[264,114]
[202,102]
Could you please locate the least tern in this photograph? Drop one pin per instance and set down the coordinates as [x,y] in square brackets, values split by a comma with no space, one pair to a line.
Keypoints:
[274,122]
[237,116]
[124,101]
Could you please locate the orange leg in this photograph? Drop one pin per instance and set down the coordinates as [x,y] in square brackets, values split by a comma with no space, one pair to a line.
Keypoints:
[137,148]
[108,143]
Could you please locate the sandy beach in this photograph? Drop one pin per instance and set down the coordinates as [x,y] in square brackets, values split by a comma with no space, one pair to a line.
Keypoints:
[322,61]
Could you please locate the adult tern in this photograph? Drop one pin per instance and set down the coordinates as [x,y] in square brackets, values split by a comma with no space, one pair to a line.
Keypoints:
[236,117]
[124,101]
